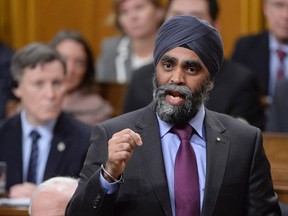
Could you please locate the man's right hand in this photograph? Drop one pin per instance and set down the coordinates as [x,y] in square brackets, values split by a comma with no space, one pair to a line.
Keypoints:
[120,149]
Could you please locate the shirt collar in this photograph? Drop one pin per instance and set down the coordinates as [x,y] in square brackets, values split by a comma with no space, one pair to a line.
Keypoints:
[42,129]
[274,45]
[197,123]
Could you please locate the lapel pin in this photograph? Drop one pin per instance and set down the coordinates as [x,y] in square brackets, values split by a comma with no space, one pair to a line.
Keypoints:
[218,139]
[61,146]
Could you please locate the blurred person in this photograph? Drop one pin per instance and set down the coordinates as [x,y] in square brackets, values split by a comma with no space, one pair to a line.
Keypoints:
[277,117]
[41,141]
[235,90]
[6,94]
[174,156]
[52,196]
[82,94]
[260,51]
[138,21]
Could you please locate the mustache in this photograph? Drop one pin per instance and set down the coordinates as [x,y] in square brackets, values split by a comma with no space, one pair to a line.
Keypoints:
[169,87]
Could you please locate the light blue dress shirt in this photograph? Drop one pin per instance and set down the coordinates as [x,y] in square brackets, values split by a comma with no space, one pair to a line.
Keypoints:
[44,144]
[170,144]
[275,63]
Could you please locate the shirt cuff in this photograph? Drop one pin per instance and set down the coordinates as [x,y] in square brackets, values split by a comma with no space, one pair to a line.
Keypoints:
[107,187]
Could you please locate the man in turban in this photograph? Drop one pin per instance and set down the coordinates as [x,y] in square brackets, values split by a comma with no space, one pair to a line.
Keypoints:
[175,157]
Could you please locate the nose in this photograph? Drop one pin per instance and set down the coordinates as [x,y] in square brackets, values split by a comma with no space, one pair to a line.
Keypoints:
[49,91]
[70,67]
[177,77]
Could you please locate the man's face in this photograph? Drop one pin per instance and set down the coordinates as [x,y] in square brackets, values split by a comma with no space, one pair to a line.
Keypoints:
[181,85]
[197,8]
[276,13]
[41,91]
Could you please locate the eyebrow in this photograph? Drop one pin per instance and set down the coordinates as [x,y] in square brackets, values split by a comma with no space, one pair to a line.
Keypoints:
[187,63]
[167,58]
[193,63]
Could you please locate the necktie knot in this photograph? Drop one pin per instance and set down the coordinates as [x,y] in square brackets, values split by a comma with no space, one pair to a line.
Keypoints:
[281,54]
[35,135]
[183,132]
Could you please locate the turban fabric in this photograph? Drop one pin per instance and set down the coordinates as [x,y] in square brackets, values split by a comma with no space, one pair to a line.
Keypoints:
[192,33]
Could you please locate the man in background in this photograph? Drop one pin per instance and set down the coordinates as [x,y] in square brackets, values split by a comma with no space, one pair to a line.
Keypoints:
[52,196]
[41,142]
[266,53]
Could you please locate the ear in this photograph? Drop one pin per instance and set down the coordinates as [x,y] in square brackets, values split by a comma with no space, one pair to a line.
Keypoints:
[210,85]
[17,91]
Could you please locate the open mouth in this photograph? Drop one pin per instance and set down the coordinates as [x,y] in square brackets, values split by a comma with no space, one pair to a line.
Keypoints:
[175,98]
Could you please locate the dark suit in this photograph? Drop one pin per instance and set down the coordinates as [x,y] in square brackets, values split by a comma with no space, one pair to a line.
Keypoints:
[5,82]
[234,93]
[253,52]
[68,162]
[277,120]
[238,180]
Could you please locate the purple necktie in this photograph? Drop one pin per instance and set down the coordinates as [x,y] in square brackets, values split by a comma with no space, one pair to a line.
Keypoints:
[31,177]
[281,71]
[186,182]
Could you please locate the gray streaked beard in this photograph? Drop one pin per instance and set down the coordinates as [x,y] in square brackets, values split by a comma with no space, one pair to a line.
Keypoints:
[178,115]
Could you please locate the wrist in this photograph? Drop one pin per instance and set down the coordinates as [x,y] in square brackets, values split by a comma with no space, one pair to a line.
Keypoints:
[109,177]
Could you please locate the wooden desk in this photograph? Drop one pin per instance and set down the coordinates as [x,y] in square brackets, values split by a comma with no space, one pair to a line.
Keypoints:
[13,211]
[276,148]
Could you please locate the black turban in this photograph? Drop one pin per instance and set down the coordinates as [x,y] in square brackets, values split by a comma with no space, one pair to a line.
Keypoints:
[192,33]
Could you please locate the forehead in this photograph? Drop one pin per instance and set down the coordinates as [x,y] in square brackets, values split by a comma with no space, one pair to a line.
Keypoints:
[67,45]
[189,6]
[53,67]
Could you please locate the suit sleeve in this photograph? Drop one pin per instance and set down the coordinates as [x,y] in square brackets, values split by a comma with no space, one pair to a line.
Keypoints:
[89,198]
[261,197]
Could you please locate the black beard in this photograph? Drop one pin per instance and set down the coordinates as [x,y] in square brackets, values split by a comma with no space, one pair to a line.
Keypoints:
[178,115]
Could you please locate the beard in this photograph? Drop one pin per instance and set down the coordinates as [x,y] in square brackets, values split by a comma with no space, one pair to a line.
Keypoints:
[178,115]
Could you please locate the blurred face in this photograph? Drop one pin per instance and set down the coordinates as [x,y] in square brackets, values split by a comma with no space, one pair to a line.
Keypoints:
[76,63]
[139,18]
[181,85]
[41,92]
[276,13]
[49,204]
[197,8]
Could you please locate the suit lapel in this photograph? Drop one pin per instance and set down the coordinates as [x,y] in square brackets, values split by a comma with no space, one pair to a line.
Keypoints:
[218,145]
[57,150]
[15,141]
[151,154]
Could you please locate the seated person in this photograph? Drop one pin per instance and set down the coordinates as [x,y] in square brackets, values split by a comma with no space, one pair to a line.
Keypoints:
[138,22]
[41,141]
[51,197]
[277,116]
[82,94]
[5,83]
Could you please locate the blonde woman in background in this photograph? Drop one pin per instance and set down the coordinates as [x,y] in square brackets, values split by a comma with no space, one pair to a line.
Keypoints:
[138,20]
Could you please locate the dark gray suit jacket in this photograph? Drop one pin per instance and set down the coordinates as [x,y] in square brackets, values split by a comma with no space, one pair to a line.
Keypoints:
[74,134]
[277,113]
[253,52]
[238,180]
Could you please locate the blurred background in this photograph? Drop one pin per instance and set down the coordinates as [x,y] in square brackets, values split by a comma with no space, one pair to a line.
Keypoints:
[25,21]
